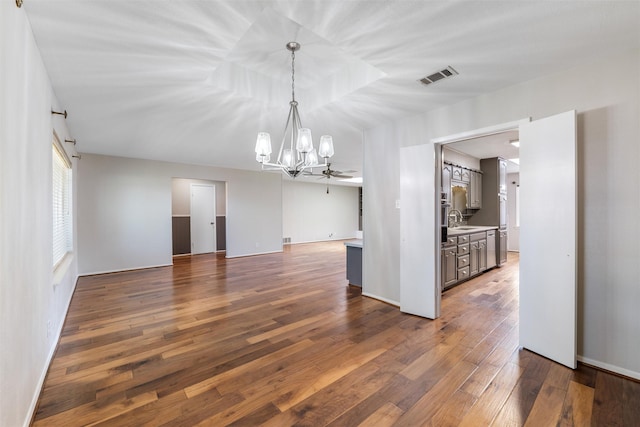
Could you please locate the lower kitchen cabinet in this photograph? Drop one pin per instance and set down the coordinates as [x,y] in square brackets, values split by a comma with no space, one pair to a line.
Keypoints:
[491,249]
[465,256]
[478,251]
[482,255]
[449,258]
[502,247]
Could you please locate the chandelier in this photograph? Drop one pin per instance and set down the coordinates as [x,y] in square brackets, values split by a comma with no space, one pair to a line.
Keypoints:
[296,150]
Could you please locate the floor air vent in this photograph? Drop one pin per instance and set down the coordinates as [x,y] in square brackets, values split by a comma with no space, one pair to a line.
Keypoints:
[439,75]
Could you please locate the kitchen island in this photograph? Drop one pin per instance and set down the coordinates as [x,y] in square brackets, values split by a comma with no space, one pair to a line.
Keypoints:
[354,262]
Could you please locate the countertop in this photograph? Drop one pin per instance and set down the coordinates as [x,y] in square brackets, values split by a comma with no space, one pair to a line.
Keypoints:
[354,243]
[469,229]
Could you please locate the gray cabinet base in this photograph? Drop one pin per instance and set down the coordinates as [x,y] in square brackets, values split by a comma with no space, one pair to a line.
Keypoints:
[354,265]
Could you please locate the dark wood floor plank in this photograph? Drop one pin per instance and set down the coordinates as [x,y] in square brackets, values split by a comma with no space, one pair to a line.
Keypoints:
[631,399]
[281,339]
[608,400]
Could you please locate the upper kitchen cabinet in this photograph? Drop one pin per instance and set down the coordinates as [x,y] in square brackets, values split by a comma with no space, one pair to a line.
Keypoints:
[502,176]
[466,175]
[461,174]
[447,174]
[475,190]
[461,188]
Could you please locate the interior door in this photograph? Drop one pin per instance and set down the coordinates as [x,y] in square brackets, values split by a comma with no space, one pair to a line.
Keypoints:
[419,291]
[203,218]
[548,237]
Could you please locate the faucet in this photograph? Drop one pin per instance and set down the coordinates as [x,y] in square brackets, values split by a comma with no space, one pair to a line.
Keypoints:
[456,214]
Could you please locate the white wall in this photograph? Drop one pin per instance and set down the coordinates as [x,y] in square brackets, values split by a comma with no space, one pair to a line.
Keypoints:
[28,296]
[124,211]
[608,158]
[310,214]
[460,159]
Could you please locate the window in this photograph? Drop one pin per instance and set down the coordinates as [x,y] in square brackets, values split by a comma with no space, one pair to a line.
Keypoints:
[62,225]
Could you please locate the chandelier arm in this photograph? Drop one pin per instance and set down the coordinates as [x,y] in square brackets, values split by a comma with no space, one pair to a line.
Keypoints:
[284,135]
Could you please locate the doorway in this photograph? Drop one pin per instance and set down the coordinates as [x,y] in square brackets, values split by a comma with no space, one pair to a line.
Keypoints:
[547,267]
[181,216]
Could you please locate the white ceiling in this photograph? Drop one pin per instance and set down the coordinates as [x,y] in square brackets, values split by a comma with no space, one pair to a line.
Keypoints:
[193,81]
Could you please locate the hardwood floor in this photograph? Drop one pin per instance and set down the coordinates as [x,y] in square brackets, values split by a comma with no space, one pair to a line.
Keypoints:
[281,340]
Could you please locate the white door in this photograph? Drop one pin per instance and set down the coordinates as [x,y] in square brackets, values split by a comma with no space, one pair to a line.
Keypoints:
[548,237]
[419,292]
[203,218]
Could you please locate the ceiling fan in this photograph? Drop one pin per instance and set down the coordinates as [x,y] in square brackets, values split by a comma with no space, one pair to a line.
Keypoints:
[328,173]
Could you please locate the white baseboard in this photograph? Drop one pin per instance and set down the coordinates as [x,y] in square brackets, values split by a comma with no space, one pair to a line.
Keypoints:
[257,253]
[124,269]
[608,367]
[379,298]
[321,240]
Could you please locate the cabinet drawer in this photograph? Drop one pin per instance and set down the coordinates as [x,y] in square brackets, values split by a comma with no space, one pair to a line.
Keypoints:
[463,261]
[449,252]
[451,241]
[478,236]
[463,239]
[463,249]
[463,273]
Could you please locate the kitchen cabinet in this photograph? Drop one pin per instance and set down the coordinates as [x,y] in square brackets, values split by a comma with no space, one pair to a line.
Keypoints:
[466,255]
[482,255]
[449,257]
[354,262]
[460,174]
[491,249]
[456,173]
[474,257]
[502,247]
[475,191]
[477,253]
[502,176]
[447,173]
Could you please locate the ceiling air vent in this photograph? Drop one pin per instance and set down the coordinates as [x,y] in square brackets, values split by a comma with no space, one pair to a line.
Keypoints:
[439,75]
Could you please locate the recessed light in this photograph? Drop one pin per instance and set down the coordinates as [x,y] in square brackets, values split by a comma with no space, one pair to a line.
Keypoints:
[515,143]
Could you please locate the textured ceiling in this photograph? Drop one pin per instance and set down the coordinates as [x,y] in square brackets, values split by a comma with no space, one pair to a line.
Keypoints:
[194,81]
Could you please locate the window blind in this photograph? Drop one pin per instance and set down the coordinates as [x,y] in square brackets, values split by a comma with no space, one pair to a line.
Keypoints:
[62,225]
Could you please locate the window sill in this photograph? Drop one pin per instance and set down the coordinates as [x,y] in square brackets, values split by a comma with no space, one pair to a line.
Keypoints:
[60,270]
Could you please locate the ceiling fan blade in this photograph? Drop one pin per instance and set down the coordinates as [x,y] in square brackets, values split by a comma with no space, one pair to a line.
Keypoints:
[342,176]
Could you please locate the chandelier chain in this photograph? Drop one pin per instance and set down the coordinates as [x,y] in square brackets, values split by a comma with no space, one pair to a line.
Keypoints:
[293,74]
